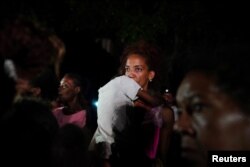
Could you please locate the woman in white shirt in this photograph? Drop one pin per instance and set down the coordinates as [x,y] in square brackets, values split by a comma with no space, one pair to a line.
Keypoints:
[124,112]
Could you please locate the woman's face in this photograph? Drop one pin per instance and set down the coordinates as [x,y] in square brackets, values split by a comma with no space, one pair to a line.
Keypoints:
[137,69]
[67,90]
[210,116]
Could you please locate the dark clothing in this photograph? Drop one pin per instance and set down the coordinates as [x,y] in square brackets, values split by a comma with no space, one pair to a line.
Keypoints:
[129,146]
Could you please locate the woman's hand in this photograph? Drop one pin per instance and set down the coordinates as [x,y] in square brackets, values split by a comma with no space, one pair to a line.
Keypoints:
[140,103]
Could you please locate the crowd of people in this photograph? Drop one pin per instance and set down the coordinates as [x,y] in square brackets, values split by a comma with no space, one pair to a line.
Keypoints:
[46,120]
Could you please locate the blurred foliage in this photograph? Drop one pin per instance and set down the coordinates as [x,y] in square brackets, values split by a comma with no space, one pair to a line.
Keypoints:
[175,26]
[171,24]
[125,20]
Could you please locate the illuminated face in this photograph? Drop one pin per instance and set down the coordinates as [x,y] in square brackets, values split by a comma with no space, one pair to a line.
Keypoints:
[210,116]
[67,90]
[137,69]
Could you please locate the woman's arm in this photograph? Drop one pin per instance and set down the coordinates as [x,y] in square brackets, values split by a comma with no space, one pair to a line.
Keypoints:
[165,133]
[150,100]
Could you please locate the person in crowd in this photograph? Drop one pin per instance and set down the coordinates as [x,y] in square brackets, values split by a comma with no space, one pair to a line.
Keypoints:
[74,105]
[213,102]
[27,132]
[133,124]
[75,127]
[43,86]
[28,50]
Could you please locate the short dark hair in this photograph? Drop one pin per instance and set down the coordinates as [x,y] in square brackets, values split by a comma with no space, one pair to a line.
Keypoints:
[228,64]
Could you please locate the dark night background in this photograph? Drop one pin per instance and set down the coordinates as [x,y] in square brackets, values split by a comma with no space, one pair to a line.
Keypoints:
[175,26]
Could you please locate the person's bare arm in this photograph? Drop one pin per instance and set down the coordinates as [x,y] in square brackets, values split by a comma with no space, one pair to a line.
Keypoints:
[150,100]
[166,132]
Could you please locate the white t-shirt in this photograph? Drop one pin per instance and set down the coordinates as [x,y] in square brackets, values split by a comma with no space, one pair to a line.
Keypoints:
[114,97]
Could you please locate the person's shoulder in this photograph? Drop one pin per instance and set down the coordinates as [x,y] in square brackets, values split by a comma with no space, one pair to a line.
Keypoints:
[167,115]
